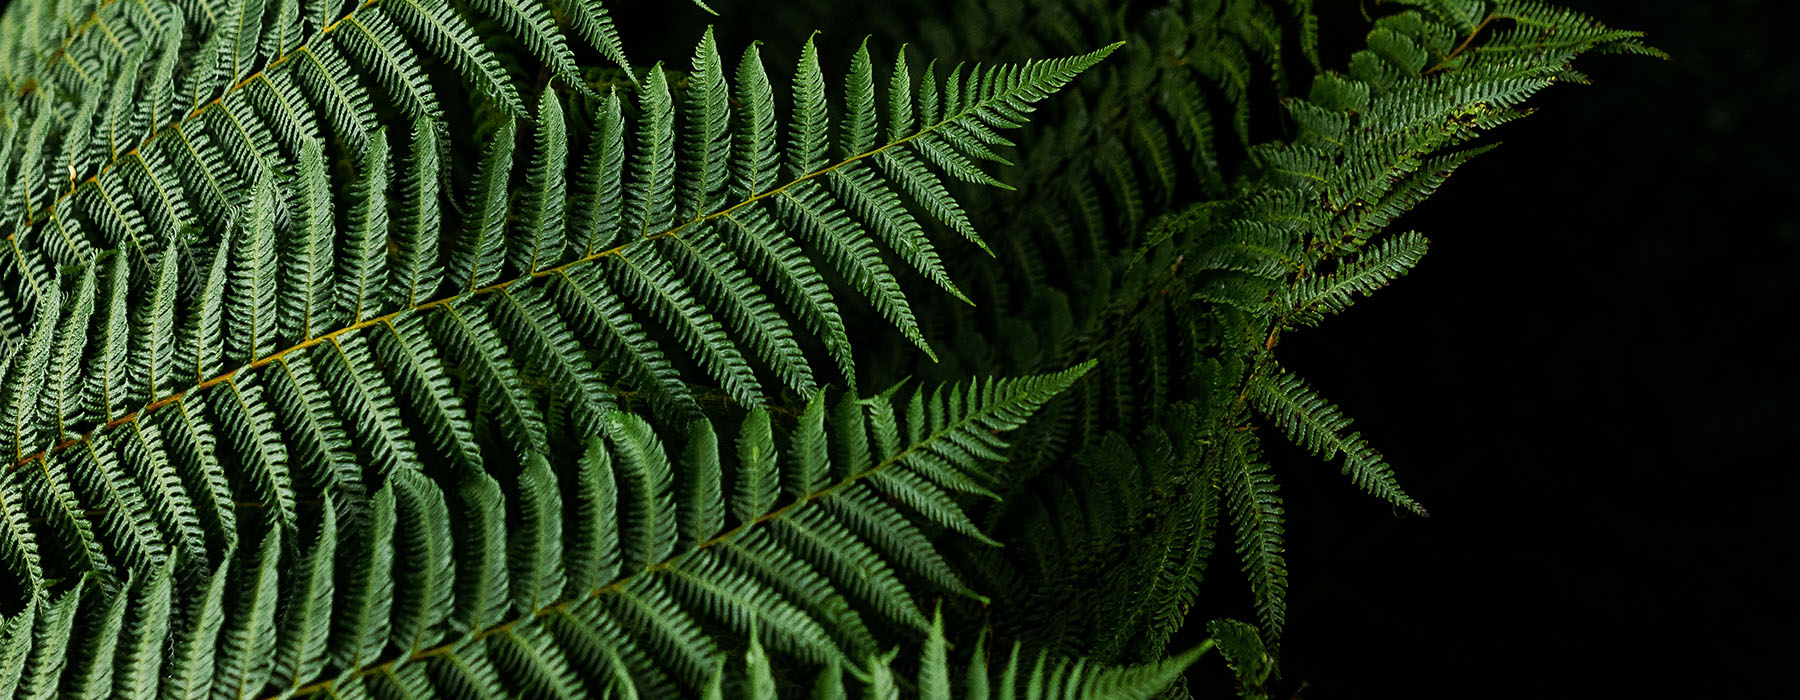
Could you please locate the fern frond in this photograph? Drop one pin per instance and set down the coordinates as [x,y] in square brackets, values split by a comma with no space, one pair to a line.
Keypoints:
[281,348]
[1130,252]
[139,654]
[424,589]
[247,639]
[273,634]
[309,593]
[1258,515]
[1245,654]
[187,670]
[53,624]
[307,261]
[1319,427]
[444,33]
[783,569]
[1311,299]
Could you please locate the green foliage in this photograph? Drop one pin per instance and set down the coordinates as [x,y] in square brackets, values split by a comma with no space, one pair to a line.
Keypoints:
[429,348]
[1183,293]
[578,567]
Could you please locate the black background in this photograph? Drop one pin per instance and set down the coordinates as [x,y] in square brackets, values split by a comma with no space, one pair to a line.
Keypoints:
[1589,381]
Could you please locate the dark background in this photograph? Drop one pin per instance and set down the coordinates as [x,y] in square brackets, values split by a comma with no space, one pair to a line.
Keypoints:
[1590,383]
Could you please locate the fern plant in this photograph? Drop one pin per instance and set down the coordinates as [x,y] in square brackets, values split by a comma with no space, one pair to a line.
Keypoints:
[433,348]
[1184,291]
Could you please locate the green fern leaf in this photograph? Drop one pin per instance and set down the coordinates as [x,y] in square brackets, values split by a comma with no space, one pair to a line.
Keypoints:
[188,668]
[1319,427]
[478,259]
[89,670]
[436,24]
[361,618]
[305,624]
[307,260]
[44,667]
[140,652]
[1312,298]
[247,640]
[424,588]
[536,555]
[771,568]
[1256,510]
[702,508]
[540,236]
